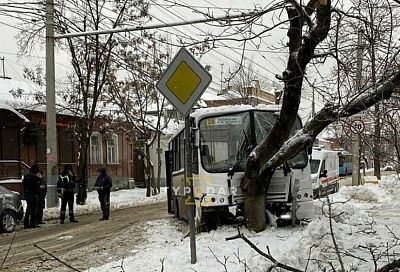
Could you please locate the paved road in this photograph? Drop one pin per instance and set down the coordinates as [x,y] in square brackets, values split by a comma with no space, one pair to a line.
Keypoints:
[80,244]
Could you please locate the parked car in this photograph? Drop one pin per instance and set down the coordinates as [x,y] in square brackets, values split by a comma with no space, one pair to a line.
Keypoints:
[11,210]
[388,168]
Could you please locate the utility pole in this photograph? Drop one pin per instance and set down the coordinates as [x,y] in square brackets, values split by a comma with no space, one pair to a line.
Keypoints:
[51,130]
[189,182]
[4,71]
[356,139]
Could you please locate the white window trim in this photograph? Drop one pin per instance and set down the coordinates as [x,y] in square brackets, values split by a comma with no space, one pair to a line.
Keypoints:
[115,138]
[98,134]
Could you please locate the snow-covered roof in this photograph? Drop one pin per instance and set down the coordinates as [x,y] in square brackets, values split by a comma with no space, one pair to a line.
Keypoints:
[23,92]
[6,107]
[231,109]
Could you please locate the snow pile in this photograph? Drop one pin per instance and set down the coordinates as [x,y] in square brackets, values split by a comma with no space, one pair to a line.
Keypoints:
[166,244]
[118,200]
[316,244]
[361,193]
[343,212]
[391,184]
[359,220]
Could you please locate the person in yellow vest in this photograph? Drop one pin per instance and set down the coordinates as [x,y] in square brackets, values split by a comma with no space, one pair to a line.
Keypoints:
[65,190]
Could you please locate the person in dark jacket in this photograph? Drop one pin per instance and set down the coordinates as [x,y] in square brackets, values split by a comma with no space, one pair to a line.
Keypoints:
[42,197]
[103,186]
[65,190]
[31,194]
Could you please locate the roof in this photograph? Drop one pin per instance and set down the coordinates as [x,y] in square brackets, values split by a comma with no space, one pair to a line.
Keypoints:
[6,107]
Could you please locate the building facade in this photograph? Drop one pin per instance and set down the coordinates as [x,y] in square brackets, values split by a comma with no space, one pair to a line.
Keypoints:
[113,145]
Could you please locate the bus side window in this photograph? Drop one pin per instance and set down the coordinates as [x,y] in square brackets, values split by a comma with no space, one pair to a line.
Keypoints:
[341,161]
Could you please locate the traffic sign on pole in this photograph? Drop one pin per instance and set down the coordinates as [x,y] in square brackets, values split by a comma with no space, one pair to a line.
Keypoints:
[357,126]
[184,81]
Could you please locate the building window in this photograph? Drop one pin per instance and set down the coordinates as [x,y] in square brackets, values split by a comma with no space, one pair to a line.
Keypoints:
[95,148]
[112,149]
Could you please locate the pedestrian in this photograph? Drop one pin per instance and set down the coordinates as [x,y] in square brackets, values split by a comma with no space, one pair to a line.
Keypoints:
[66,190]
[103,186]
[42,197]
[31,194]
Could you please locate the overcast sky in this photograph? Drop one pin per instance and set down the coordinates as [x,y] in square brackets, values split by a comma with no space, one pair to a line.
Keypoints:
[267,62]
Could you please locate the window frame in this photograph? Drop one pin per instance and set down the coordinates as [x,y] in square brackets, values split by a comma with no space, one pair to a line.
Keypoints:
[114,137]
[100,145]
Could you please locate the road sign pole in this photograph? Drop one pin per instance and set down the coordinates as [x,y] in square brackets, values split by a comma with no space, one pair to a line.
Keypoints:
[355,178]
[356,127]
[189,182]
[182,83]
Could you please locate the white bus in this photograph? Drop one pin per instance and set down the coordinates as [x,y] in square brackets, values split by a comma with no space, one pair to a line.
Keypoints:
[222,140]
[324,171]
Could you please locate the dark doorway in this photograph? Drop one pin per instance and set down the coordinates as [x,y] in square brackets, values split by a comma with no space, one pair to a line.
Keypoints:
[138,168]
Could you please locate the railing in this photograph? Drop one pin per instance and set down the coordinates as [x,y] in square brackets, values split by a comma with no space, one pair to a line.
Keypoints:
[13,169]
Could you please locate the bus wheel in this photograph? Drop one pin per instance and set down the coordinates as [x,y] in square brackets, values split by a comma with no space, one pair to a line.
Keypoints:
[211,220]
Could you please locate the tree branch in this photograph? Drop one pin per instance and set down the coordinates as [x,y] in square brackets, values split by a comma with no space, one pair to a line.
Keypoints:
[57,259]
[265,255]
[330,113]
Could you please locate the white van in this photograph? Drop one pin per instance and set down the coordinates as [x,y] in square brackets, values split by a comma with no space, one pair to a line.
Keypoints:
[324,171]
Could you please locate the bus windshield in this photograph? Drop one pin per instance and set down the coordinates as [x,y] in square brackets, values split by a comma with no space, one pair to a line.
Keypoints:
[225,141]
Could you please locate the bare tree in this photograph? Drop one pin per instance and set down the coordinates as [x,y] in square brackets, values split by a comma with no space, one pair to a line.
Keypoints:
[377,22]
[243,84]
[142,105]
[93,60]
[305,34]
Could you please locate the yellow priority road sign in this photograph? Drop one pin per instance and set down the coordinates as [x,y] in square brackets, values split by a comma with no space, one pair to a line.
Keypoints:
[184,81]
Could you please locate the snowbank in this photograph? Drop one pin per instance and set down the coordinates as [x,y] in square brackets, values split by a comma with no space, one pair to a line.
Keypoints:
[118,200]
[359,216]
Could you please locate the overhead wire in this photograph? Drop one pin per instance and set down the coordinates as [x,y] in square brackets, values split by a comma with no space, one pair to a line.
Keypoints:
[235,61]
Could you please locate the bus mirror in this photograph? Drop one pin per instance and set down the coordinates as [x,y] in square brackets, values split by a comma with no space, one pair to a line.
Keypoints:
[323,174]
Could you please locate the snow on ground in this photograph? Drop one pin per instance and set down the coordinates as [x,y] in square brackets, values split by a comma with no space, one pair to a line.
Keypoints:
[363,219]
[118,200]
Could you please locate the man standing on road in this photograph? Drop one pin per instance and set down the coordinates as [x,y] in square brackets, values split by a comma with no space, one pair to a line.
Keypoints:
[31,191]
[103,186]
[42,197]
[65,190]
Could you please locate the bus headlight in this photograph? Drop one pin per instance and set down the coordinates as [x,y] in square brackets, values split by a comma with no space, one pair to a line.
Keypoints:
[286,216]
[221,200]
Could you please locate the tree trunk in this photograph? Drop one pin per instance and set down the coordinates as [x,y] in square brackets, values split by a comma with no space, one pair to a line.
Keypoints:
[254,212]
[159,162]
[82,171]
[148,170]
[259,172]
[254,201]
[377,144]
